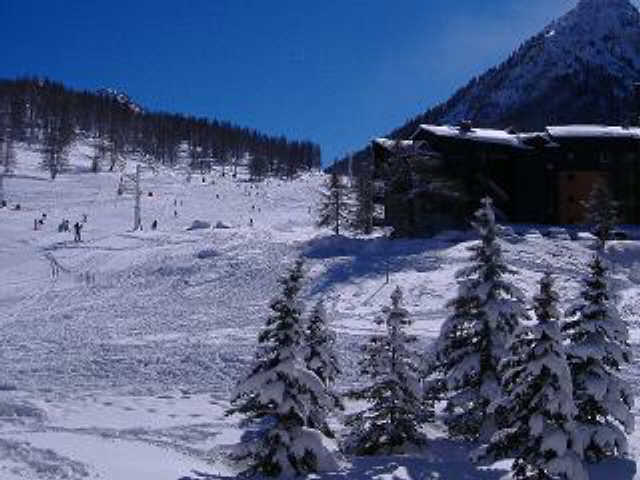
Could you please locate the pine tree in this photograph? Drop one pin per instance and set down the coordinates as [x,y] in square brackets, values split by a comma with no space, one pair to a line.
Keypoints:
[365,208]
[97,157]
[334,206]
[598,346]
[601,212]
[538,408]
[281,392]
[258,168]
[473,339]
[8,156]
[321,359]
[58,134]
[7,153]
[391,423]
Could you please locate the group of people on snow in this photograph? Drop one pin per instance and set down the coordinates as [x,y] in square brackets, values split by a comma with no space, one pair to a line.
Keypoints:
[63,226]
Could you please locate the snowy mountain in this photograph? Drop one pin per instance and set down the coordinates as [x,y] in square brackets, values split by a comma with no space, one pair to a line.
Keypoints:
[579,69]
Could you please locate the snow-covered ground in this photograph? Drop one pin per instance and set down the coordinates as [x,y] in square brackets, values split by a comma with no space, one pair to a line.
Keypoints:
[118,354]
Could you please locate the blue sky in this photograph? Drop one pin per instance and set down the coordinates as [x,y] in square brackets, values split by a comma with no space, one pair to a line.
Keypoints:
[337,72]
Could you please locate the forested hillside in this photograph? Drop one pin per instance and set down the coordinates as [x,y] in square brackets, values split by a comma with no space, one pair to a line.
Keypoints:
[50,116]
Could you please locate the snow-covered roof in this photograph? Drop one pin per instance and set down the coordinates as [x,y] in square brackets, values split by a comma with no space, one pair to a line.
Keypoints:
[527,140]
[403,147]
[593,131]
[389,143]
[485,135]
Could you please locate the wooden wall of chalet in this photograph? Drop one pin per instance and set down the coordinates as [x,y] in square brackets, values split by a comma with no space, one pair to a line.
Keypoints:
[545,184]
[485,169]
[573,188]
[582,162]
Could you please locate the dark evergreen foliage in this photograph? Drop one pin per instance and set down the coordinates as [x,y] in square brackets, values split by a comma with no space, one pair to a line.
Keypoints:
[365,207]
[334,209]
[601,212]
[473,339]
[280,394]
[391,423]
[537,411]
[320,358]
[598,348]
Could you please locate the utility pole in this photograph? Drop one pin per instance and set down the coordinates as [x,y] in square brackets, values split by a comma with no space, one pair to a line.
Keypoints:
[137,220]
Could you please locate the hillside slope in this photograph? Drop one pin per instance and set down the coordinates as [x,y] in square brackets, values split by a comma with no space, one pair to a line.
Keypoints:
[119,362]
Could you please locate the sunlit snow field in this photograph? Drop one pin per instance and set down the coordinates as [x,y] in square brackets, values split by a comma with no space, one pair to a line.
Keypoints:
[118,354]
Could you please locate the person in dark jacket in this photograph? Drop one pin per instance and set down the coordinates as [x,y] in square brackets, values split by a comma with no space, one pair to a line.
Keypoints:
[77,229]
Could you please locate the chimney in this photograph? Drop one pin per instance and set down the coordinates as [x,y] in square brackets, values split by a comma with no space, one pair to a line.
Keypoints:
[465,126]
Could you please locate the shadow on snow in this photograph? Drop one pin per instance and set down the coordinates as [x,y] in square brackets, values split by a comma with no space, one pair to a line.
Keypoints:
[353,258]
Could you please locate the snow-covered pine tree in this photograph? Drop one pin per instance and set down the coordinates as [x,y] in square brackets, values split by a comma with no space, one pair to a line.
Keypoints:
[601,212]
[365,208]
[281,392]
[391,422]
[598,347]
[473,339]
[334,209]
[321,359]
[538,407]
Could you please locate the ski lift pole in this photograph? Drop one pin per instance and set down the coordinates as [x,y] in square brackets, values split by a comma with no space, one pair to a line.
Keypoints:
[137,220]
[387,270]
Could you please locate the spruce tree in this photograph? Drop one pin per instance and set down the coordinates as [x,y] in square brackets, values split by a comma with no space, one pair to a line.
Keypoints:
[391,422]
[598,348]
[58,133]
[97,157]
[601,212]
[334,205]
[538,407]
[365,208]
[7,161]
[321,359]
[7,152]
[280,393]
[472,341]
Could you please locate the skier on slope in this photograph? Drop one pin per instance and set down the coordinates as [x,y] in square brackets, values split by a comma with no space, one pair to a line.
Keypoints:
[77,228]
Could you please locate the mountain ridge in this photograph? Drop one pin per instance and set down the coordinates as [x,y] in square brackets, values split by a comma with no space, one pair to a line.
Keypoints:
[580,68]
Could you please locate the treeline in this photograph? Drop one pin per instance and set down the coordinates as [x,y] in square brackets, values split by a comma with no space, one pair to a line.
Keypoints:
[48,114]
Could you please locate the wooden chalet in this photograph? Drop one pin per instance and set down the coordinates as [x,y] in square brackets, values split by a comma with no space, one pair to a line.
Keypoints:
[436,178]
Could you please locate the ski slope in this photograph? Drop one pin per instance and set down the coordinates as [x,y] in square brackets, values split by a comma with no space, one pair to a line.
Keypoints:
[118,354]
